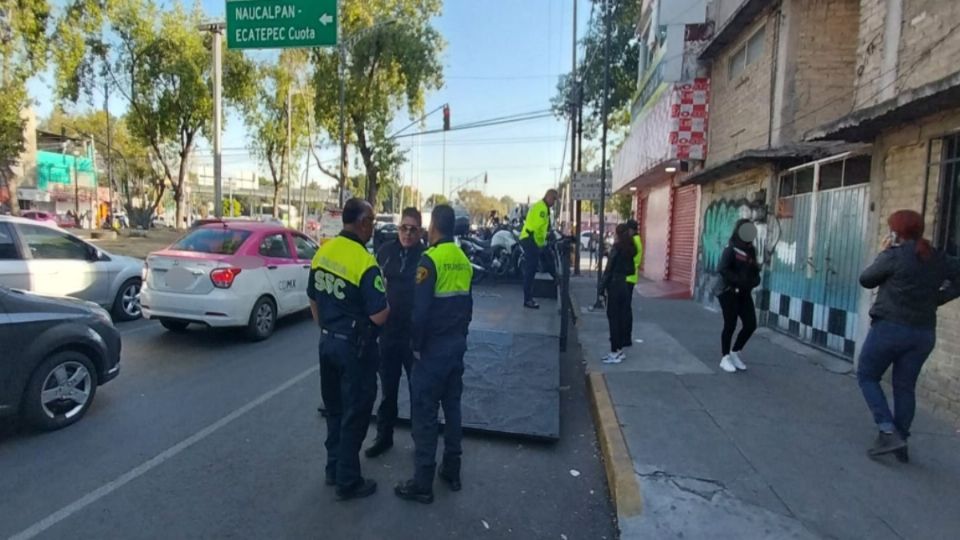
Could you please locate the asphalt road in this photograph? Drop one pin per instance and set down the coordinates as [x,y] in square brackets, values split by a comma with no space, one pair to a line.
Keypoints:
[204,435]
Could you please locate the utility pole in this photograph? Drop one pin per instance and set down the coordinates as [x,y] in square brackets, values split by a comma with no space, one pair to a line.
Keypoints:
[603,143]
[106,111]
[574,212]
[341,69]
[289,160]
[217,29]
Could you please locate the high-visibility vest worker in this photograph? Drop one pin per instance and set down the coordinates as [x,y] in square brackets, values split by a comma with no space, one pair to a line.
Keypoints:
[537,223]
[346,284]
[445,273]
[637,260]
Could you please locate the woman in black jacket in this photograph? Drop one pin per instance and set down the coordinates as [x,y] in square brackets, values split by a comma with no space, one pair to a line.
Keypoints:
[914,280]
[739,275]
[618,292]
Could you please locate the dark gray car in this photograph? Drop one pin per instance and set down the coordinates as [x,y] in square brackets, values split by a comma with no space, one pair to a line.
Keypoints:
[55,353]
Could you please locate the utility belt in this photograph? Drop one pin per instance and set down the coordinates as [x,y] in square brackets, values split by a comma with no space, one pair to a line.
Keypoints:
[361,334]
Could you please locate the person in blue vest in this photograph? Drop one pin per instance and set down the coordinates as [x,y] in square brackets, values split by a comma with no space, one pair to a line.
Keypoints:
[348,300]
[442,310]
[533,238]
[399,260]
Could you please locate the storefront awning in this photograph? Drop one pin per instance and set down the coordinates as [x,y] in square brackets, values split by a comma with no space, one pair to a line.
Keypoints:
[865,124]
[784,156]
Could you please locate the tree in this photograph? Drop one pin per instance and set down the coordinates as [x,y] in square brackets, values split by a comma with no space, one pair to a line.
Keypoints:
[160,64]
[232,207]
[479,205]
[624,64]
[435,200]
[135,177]
[23,52]
[623,205]
[393,60]
[268,119]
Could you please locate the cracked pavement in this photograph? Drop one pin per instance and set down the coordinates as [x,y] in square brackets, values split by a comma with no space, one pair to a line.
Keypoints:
[777,451]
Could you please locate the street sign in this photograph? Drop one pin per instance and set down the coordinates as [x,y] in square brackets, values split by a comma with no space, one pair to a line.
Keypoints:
[281,24]
[586,187]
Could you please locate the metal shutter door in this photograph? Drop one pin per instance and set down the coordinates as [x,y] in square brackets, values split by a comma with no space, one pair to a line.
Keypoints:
[642,223]
[683,234]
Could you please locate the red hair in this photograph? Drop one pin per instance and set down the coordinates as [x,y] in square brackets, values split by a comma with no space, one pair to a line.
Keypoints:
[909,226]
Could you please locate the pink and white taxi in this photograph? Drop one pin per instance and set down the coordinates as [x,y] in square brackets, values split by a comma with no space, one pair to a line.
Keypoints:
[231,273]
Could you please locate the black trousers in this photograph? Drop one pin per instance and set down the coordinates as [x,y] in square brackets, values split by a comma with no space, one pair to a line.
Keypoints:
[348,384]
[531,262]
[737,305]
[630,315]
[619,313]
[395,358]
[437,382]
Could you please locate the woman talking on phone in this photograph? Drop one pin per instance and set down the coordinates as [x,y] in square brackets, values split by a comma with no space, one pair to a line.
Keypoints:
[913,281]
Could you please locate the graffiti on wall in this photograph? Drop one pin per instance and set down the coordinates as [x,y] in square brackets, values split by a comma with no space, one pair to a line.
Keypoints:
[718,222]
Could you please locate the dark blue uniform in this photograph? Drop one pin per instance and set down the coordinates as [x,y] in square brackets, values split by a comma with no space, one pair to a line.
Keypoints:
[399,267]
[442,310]
[346,284]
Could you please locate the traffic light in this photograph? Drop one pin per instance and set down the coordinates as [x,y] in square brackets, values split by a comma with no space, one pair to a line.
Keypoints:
[446,118]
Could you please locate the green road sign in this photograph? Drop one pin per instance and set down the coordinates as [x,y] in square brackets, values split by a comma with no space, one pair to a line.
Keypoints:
[279,24]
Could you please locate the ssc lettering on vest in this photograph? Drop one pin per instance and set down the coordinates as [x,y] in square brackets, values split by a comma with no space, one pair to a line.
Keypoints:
[330,284]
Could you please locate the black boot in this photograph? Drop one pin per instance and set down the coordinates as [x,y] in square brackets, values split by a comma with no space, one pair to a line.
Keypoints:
[903,455]
[886,443]
[364,488]
[452,481]
[411,492]
[380,446]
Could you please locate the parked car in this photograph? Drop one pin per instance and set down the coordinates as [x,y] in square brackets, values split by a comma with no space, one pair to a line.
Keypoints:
[587,241]
[229,274]
[56,352]
[42,217]
[43,259]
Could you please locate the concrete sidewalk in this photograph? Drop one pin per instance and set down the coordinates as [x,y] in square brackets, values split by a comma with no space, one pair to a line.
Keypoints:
[777,451]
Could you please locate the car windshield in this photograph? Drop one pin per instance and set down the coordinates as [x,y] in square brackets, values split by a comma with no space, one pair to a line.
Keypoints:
[214,240]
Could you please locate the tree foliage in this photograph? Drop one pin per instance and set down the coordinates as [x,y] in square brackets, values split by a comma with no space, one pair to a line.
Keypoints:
[393,60]
[135,177]
[157,61]
[624,65]
[23,52]
[479,205]
[435,200]
[268,117]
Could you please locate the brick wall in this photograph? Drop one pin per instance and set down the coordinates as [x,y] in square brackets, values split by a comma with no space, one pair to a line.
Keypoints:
[899,170]
[821,64]
[740,107]
[927,51]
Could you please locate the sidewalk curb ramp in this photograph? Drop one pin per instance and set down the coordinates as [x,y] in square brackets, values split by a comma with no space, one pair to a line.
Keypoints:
[621,479]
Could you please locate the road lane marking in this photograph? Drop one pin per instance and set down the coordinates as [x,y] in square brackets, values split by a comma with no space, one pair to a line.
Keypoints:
[153,463]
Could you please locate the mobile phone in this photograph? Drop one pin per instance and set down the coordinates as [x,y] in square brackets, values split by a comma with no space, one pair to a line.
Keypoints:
[894,239]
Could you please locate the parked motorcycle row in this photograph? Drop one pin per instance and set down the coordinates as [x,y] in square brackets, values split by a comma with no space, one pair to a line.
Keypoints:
[496,252]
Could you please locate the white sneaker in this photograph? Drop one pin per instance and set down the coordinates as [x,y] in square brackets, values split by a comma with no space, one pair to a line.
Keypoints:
[613,358]
[727,365]
[737,361]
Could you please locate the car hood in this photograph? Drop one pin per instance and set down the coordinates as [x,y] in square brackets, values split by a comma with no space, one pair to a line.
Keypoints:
[52,304]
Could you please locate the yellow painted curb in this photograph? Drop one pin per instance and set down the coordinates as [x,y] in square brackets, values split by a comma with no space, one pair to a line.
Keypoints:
[621,479]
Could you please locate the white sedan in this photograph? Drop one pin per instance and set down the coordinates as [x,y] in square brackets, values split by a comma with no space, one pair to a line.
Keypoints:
[229,274]
[41,258]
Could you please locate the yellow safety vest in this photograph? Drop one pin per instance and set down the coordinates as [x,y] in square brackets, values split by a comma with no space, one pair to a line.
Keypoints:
[537,222]
[637,259]
[454,271]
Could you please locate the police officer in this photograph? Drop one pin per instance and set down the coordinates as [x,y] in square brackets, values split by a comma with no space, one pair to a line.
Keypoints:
[348,300]
[632,279]
[532,239]
[398,261]
[442,310]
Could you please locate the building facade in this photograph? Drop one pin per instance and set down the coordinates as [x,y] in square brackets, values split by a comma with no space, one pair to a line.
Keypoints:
[667,138]
[906,104]
[777,69]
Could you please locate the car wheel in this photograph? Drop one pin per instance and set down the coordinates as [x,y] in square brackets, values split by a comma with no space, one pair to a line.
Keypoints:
[60,391]
[126,306]
[263,320]
[174,326]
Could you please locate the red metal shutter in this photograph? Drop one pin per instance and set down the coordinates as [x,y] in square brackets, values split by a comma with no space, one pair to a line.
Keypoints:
[683,234]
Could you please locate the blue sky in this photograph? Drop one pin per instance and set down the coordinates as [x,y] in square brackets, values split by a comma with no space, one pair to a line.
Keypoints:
[502,57]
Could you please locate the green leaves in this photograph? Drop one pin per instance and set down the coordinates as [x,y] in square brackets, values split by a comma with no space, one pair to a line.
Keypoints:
[392,61]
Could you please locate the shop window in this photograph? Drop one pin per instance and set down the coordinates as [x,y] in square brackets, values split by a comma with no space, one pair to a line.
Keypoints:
[804,181]
[831,175]
[948,211]
[856,170]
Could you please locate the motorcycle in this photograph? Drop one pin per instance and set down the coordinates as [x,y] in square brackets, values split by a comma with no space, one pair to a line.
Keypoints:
[501,257]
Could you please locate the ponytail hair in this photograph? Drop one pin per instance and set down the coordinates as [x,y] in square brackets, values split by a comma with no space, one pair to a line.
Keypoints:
[909,226]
